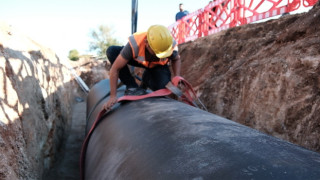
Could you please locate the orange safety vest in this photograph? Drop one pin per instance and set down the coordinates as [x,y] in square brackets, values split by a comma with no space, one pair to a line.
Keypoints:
[138,47]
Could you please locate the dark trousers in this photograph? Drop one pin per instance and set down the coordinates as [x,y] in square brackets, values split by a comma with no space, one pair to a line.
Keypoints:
[155,78]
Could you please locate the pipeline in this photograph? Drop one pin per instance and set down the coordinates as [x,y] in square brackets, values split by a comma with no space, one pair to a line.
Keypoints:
[78,79]
[160,138]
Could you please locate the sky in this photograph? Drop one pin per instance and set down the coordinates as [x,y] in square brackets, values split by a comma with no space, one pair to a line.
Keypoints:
[63,25]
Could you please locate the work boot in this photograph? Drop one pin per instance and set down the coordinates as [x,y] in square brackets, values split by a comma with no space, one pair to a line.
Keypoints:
[135,91]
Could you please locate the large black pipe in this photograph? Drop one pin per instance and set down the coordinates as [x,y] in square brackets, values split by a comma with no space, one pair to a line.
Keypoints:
[160,138]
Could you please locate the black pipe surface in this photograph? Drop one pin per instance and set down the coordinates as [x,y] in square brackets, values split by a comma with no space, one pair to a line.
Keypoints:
[160,138]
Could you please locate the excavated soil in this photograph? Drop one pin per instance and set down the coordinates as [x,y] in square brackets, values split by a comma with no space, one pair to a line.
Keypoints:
[264,75]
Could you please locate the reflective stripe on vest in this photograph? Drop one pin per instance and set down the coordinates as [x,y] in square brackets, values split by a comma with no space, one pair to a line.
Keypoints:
[137,43]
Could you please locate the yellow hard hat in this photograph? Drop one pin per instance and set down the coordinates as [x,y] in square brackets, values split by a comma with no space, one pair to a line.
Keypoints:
[160,40]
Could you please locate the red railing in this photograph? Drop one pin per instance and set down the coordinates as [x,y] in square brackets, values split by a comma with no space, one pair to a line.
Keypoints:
[223,14]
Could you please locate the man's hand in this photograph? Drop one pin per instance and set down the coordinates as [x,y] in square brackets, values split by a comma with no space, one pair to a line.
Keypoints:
[108,105]
[119,63]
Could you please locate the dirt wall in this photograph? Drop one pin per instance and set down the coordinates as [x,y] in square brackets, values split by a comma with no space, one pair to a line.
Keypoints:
[263,75]
[35,105]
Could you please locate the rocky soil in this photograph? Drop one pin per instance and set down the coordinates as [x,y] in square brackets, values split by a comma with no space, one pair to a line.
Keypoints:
[35,106]
[37,96]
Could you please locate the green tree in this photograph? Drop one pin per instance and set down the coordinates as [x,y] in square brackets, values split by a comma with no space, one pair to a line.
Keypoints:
[102,39]
[73,55]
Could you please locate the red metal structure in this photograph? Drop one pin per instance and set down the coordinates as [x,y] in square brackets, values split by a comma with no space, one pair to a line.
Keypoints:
[223,14]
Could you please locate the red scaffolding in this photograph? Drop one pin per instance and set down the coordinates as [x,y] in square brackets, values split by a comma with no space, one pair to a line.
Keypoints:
[223,14]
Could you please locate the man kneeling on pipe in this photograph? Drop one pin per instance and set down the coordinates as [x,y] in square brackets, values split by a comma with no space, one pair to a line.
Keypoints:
[152,50]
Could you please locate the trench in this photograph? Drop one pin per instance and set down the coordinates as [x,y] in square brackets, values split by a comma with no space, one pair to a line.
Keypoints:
[66,166]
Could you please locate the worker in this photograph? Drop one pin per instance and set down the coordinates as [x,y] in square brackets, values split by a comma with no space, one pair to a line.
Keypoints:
[152,50]
[181,12]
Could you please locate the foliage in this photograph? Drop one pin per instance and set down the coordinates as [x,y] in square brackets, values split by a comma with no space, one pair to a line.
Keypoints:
[102,39]
[73,55]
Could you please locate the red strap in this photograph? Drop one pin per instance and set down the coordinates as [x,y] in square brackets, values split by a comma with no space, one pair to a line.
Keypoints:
[187,97]
[158,93]
[86,141]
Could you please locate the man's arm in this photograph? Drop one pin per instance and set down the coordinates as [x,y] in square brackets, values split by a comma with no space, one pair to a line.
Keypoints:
[118,64]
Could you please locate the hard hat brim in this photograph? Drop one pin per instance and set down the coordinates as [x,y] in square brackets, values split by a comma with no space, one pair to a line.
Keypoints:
[165,54]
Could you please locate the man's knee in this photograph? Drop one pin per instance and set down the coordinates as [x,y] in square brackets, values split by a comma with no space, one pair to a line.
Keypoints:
[158,84]
[162,84]
[112,53]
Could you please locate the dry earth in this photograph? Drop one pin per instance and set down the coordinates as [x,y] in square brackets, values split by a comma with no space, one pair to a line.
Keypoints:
[35,105]
[265,75]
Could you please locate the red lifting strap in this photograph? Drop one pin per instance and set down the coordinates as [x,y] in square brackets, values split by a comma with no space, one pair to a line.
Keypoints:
[189,94]
[188,97]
